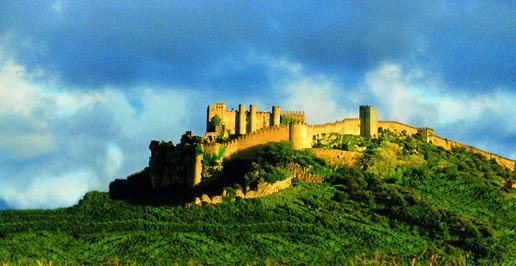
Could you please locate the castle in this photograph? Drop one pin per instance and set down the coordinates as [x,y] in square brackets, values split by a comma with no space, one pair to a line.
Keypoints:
[222,122]
[235,132]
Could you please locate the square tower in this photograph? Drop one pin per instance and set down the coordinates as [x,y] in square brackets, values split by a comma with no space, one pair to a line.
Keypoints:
[368,121]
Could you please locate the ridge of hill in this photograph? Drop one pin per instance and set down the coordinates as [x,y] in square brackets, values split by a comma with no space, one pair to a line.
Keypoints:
[401,202]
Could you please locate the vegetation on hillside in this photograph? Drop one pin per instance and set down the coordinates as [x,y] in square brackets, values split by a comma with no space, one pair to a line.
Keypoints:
[404,201]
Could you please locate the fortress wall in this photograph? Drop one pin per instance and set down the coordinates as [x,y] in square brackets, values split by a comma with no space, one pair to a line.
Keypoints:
[397,127]
[197,170]
[446,143]
[263,120]
[230,121]
[449,144]
[349,126]
[296,115]
[211,148]
[261,136]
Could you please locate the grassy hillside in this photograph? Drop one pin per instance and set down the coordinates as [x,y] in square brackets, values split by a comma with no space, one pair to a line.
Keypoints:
[405,199]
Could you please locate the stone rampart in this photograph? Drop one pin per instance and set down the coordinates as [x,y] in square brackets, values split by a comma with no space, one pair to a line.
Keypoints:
[349,126]
[263,120]
[295,115]
[259,137]
[265,189]
[230,121]
[212,148]
[397,127]
[449,144]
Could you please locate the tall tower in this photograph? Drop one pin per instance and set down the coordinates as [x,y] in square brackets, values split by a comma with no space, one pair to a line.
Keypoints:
[252,118]
[368,121]
[241,123]
[276,114]
[298,136]
[218,109]
[427,134]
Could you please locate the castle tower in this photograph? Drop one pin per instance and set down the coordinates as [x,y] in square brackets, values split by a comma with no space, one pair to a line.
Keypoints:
[368,121]
[252,118]
[276,115]
[298,136]
[219,109]
[427,134]
[241,120]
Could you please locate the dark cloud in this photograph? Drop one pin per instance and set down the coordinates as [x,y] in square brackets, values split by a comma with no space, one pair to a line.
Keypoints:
[471,45]
[125,43]
[145,71]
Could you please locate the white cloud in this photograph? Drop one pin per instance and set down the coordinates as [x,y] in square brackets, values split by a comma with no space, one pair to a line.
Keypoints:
[411,97]
[43,191]
[420,99]
[317,97]
[398,99]
[26,145]
[113,160]
[15,92]
[320,97]
[58,144]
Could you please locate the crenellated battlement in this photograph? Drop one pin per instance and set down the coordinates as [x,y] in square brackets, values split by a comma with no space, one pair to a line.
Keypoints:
[243,121]
[291,112]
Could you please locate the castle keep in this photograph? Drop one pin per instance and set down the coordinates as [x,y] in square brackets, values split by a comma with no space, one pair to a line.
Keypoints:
[224,123]
[233,133]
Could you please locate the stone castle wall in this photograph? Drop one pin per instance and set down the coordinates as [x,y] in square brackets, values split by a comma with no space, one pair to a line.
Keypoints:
[449,144]
[398,127]
[259,137]
[242,121]
[296,116]
[349,126]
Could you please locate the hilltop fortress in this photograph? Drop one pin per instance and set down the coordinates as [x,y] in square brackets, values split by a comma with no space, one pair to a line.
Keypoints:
[234,133]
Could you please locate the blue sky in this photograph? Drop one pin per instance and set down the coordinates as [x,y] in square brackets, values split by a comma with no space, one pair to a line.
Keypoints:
[85,85]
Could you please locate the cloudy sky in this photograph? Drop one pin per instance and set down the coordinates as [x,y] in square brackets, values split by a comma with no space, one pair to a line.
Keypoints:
[85,85]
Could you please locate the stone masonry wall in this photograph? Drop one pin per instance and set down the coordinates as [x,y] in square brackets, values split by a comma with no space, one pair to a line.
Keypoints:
[350,126]
[261,136]
[449,144]
[397,127]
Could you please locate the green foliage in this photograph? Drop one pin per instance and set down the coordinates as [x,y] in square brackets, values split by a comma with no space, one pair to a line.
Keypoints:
[216,121]
[407,200]
[340,141]
[264,173]
[214,159]
[285,120]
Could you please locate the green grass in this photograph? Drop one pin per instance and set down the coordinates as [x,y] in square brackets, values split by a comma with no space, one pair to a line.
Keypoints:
[450,208]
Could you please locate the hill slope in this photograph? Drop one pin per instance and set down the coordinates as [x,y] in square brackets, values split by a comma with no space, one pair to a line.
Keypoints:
[403,199]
